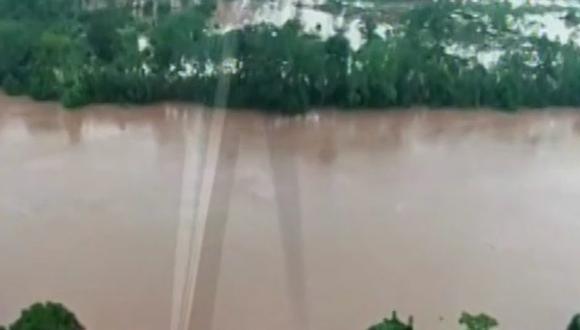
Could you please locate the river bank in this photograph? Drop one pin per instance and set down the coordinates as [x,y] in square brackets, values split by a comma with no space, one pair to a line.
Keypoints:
[438,54]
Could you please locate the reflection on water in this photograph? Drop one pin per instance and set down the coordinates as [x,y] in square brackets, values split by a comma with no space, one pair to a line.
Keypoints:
[322,222]
[287,198]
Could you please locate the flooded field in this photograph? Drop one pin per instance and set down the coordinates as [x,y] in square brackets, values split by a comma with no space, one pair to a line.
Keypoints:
[174,217]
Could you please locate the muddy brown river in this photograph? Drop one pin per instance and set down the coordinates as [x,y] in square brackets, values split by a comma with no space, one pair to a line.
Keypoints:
[179,218]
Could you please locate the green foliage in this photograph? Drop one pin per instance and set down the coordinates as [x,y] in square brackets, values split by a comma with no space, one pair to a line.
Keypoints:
[393,324]
[471,322]
[178,36]
[39,9]
[53,58]
[80,57]
[55,316]
[48,316]
[12,86]
[477,322]
[103,34]
[575,323]
[76,95]
[16,43]
[280,67]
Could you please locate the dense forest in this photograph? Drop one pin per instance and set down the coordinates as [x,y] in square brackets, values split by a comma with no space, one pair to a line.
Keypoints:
[433,56]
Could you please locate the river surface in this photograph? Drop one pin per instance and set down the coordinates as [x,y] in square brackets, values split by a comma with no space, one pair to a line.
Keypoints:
[175,217]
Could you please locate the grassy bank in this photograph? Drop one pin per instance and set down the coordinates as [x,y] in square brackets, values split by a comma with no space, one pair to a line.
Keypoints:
[446,53]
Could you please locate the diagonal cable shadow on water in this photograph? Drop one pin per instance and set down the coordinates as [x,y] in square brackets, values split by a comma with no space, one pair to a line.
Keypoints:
[287,195]
[204,300]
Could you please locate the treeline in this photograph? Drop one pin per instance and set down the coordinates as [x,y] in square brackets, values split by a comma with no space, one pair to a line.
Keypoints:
[55,50]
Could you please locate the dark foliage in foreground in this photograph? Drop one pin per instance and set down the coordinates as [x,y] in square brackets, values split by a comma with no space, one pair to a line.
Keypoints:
[393,324]
[575,323]
[470,322]
[53,51]
[55,316]
[48,316]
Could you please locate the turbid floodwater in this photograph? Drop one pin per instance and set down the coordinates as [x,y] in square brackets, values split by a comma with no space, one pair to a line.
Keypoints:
[175,217]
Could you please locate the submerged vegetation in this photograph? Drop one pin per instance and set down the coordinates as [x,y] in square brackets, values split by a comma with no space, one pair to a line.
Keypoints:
[444,53]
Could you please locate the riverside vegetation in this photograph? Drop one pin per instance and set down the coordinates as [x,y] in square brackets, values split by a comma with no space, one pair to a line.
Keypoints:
[432,56]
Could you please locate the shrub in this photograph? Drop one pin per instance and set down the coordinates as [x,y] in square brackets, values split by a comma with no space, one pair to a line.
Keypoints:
[75,96]
[103,32]
[477,322]
[48,316]
[15,44]
[472,322]
[575,323]
[12,86]
[393,324]
[43,86]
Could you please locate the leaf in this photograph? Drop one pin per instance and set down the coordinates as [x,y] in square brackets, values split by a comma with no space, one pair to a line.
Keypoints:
[478,322]
[393,324]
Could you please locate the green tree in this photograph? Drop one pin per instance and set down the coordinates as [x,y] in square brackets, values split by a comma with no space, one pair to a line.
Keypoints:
[103,27]
[56,60]
[393,324]
[179,36]
[40,9]
[477,322]
[337,54]
[46,316]
[575,323]
[16,42]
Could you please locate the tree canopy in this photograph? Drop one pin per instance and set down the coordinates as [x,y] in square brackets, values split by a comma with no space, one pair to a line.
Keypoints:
[440,54]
